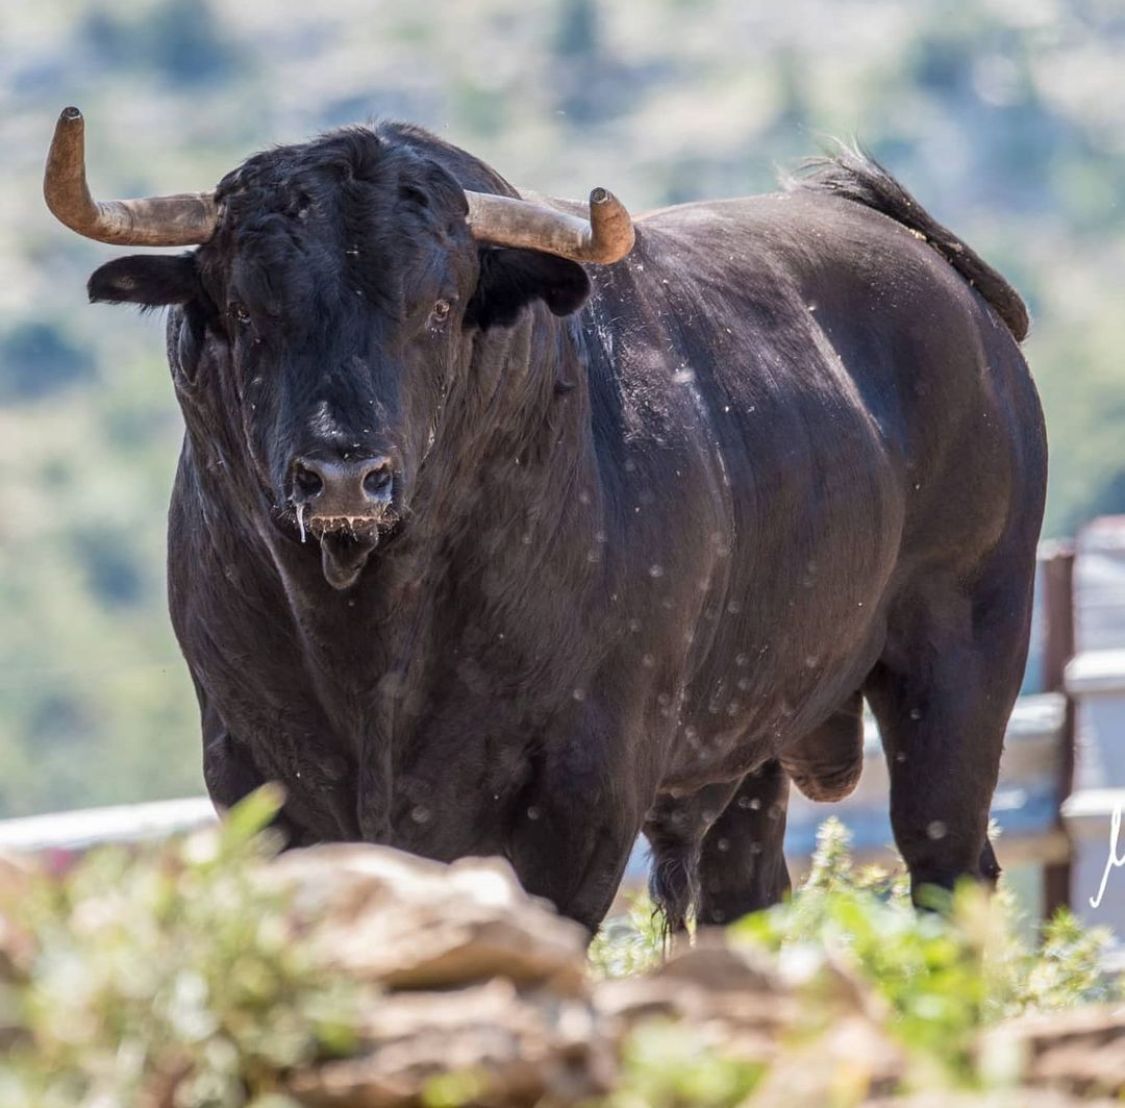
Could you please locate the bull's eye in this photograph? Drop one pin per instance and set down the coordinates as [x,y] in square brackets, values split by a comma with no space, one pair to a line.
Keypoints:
[238,313]
[439,313]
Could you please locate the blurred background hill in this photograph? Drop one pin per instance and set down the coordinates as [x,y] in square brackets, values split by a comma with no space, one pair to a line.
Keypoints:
[1005,117]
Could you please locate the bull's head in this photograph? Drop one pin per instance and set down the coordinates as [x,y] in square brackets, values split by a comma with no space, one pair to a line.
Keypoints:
[332,300]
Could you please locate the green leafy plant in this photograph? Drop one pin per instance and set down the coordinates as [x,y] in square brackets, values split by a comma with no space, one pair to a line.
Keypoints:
[668,1066]
[944,974]
[631,943]
[940,976]
[169,970]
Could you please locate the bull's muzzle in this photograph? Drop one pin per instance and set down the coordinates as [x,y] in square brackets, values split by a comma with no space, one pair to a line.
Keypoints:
[333,491]
[343,502]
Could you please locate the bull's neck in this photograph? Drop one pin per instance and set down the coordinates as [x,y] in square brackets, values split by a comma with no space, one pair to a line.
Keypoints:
[503,518]
[513,448]
[505,496]
[507,515]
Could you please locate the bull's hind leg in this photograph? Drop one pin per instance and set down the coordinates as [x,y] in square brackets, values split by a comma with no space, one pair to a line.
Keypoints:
[742,863]
[717,853]
[942,693]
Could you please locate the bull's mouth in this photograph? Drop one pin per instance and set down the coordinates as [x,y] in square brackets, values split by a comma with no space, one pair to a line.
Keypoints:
[346,542]
[344,553]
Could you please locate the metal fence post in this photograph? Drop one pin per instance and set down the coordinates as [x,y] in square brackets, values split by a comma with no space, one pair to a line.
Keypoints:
[1058,607]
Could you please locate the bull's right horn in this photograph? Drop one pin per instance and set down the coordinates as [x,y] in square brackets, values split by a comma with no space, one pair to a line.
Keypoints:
[184,220]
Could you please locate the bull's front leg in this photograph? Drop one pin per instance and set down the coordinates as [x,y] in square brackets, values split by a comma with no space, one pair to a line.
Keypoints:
[559,802]
[228,770]
[576,823]
[231,774]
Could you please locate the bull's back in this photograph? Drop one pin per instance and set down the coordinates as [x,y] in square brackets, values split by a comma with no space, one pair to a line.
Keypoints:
[837,373]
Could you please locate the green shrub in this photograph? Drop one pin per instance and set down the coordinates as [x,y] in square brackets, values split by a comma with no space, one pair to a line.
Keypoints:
[669,1066]
[145,970]
[167,968]
[37,358]
[942,976]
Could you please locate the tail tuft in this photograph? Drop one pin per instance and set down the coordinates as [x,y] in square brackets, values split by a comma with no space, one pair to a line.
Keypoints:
[854,175]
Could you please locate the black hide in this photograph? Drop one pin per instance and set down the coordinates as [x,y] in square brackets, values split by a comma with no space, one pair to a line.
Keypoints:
[642,563]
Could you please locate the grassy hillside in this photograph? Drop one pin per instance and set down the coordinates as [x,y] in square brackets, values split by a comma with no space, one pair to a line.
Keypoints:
[1006,118]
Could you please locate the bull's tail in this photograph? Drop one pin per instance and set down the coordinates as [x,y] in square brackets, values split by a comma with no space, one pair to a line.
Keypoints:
[854,175]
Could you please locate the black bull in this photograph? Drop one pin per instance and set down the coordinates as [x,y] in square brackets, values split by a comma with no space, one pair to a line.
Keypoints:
[646,556]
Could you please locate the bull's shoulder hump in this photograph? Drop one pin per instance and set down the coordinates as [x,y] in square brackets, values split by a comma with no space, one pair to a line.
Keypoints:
[752,208]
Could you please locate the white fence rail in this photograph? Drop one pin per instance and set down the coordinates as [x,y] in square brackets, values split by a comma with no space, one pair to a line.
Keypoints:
[1040,824]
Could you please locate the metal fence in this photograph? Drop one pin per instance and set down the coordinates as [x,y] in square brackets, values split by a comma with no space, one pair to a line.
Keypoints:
[1045,823]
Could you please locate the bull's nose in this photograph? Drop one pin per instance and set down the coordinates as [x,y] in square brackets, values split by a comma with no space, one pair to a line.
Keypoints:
[336,487]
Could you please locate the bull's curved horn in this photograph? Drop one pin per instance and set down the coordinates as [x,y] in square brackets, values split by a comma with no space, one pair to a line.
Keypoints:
[183,220]
[606,237]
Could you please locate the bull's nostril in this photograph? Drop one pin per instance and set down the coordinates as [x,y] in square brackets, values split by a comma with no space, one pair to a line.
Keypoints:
[307,482]
[378,481]
[342,487]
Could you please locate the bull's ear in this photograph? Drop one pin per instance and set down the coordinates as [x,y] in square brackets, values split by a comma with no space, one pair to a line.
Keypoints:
[153,281]
[511,279]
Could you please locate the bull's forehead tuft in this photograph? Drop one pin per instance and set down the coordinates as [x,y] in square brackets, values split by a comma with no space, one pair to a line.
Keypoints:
[350,154]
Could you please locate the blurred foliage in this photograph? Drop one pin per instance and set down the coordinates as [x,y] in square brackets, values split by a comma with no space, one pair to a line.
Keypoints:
[631,943]
[666,1065]
[942,975]
[179,41]
[174,974]
[170,969]
[1005,117]
[37,359]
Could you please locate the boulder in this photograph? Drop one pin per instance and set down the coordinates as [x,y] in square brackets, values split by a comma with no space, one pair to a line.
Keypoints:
[407,923]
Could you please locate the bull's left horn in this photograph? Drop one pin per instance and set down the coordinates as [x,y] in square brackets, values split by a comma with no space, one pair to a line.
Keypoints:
[605,238]
[184,220]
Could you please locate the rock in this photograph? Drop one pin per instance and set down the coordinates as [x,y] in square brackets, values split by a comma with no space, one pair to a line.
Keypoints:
[509,1047]
[717,966]
[480,994]
[849,1060]
[735,1004]
[407,923]
[746,1022]
[1081,1050]
[481,985]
